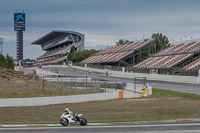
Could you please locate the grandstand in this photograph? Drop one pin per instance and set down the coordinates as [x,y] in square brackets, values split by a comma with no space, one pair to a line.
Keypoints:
[185,56]
[122,55]
[57,44]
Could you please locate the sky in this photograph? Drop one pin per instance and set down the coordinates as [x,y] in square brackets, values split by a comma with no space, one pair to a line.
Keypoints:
[103,22]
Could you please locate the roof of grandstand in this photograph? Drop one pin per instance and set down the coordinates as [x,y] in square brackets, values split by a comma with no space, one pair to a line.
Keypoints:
[116,53]
[174,55]
[53,34]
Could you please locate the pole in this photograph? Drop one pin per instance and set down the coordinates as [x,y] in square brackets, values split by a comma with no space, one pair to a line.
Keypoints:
[39,91]
[71,84]
[43,83]
[86,81]
[19,91]
[75,87]
[105,85]
[58,85]
[26,82]
[116,86]
[91,86]
[144,84]
[135,85]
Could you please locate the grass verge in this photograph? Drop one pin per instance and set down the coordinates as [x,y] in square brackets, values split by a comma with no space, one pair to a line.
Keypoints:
[162,105]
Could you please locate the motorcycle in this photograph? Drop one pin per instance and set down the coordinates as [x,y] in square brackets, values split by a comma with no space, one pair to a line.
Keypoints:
[66,119]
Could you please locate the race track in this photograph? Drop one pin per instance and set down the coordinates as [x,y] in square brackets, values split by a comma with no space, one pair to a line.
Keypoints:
[122,128]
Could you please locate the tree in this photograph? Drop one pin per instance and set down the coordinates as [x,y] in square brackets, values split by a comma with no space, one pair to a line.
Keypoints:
[73,48]
[123,42]
[2,61]
[78,56]
[161,41]
[9,62]
[6,62]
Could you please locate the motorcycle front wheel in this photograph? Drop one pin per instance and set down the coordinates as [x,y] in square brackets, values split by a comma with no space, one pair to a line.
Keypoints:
[83,122]
[64,122]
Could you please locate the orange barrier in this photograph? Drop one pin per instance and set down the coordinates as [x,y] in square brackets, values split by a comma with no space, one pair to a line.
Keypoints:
[120,94]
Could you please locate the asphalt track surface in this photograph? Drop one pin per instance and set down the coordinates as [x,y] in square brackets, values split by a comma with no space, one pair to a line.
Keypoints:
[177,86]
[130,128]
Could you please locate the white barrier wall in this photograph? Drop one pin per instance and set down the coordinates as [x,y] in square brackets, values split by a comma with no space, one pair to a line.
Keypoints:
[38,101]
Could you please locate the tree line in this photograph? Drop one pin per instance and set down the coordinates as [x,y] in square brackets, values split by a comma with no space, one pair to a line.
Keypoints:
[6,61]
[78,56]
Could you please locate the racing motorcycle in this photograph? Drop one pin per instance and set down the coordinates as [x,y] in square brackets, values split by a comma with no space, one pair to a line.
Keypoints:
[66,119]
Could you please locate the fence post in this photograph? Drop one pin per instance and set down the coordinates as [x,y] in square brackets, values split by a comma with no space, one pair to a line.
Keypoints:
[96,85]
[43,83]
[135,85]
[71,84]
[26,83]
[91,86]
[75,87]
[115,85]
[86,81]
[105,85]
[83,84]
[18,91]
[58,85]
[39,91]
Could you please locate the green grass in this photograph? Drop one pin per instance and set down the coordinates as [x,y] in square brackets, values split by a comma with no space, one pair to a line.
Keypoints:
[161,93]
[162,105]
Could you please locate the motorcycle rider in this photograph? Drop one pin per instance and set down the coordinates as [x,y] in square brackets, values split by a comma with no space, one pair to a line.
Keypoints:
[67,111]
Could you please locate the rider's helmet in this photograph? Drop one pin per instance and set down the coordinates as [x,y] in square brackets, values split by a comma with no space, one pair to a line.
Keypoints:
[66,110]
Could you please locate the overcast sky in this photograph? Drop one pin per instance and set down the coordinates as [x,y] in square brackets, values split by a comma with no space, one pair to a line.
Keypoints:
[102,21]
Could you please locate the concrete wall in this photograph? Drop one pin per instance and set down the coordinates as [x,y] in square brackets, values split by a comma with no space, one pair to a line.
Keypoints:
[37,101]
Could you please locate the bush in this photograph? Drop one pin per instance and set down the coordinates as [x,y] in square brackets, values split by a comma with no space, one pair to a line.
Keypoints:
[78,56]
[6,62]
